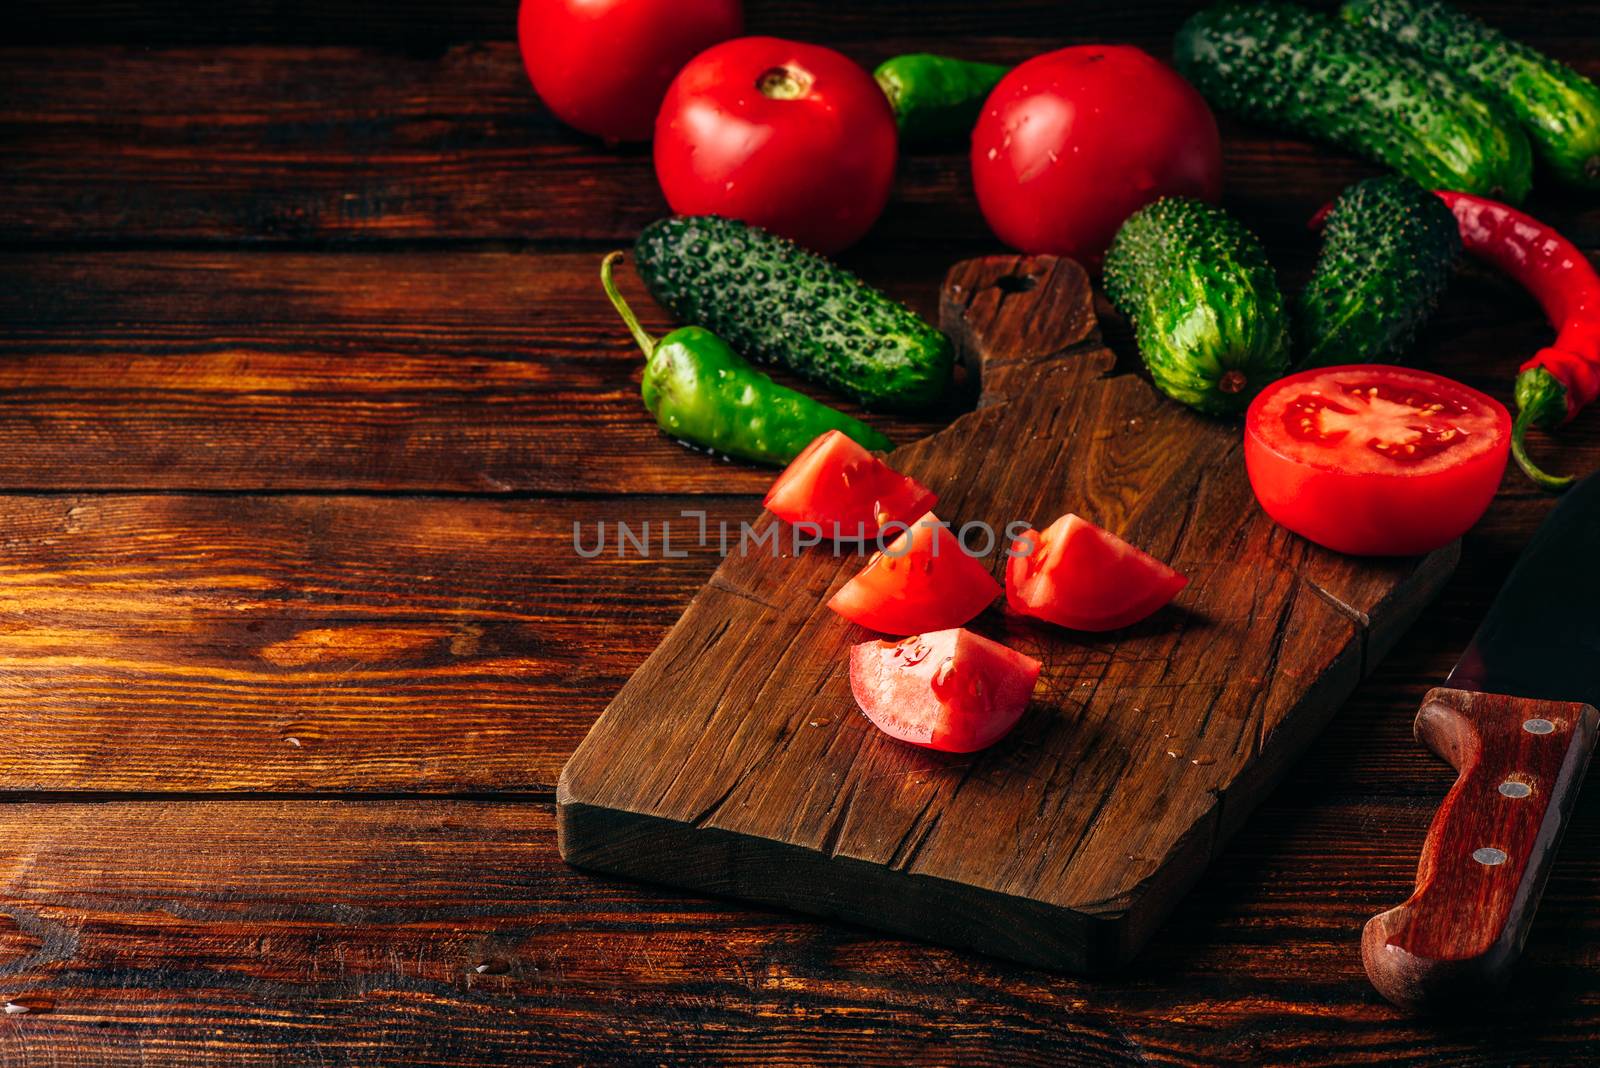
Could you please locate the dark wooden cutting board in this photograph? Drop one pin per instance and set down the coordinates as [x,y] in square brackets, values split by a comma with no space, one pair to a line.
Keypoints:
[735,761]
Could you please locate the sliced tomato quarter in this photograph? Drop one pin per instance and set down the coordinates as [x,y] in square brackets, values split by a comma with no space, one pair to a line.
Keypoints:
[846,491]
[951,690]
[923,580]
[1375,460]
[1077,575]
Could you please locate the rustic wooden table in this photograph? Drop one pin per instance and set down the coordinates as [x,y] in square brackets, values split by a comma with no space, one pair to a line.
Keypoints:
[304,380]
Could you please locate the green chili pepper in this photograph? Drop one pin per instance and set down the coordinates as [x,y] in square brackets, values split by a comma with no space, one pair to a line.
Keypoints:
[701,391]
[936,98]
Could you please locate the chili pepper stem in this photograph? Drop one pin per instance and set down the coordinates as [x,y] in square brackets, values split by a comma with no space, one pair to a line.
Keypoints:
[647,344]
[1519,450]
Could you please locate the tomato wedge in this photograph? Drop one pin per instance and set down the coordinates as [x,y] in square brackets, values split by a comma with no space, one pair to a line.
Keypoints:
[1375,460]
[922,580]
[950,690]
[845,491]
[1080,576]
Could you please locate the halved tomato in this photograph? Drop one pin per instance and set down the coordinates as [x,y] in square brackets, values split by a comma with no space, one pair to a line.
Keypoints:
[1085,578]
[1375,460]
[951,690]
[922,580]
[845,490]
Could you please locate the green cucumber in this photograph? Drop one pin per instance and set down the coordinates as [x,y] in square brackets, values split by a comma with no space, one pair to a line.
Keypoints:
[775,301]
[1205,306]
[1283,65]
[1558,107]
[936,98]
[1389,249]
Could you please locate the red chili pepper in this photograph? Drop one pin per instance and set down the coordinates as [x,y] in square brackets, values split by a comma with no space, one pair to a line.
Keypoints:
[1553,386]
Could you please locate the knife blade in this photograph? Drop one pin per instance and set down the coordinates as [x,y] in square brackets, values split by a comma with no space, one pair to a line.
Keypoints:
[1517,719]
[1541,637]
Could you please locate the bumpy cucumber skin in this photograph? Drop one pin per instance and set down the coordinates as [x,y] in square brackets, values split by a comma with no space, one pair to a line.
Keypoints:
[1558,107]
[1389,249]
[936,98]
[1205,305]
[774,301]
[1283,65]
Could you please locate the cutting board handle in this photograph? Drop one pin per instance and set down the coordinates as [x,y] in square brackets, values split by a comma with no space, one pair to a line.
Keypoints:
[1487,854]
[1010,315]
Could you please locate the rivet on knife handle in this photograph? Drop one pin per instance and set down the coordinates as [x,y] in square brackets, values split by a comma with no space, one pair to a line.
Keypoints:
[1487,854]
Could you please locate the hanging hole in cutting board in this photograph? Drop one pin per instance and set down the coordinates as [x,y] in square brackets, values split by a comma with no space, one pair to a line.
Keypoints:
[1016,283]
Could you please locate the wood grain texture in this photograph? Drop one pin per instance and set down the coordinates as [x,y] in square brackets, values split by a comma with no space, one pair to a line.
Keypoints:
[481,372]
[484,372]
[1521,764]
[254,247]
[259,933]
[427,645]
[297,145]
[319,643]
[734,759]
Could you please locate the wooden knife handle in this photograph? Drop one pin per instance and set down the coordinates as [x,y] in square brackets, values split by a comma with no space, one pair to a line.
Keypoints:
[1484,863]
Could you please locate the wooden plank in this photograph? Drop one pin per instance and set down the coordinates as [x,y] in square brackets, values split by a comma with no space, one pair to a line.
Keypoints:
[415,22]
[732,761]
[432,645]
[418,23]
[204,643]
[476,372]
[273,144]
[265,933]
[465,372]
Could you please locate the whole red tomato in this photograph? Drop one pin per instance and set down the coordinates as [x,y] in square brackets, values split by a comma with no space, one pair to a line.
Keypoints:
[791,137]
[1071,143]
[603,65]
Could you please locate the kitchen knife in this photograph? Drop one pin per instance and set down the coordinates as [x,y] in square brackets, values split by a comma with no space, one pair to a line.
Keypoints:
[1517,720]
